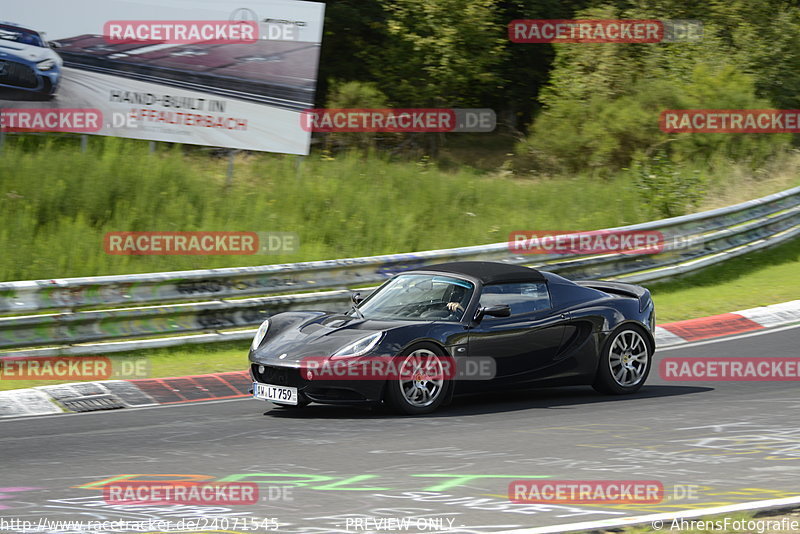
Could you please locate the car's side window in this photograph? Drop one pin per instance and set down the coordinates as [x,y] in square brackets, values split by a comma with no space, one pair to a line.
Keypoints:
[522,297]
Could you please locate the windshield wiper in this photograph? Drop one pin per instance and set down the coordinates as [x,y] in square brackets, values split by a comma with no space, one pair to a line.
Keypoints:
[358,312]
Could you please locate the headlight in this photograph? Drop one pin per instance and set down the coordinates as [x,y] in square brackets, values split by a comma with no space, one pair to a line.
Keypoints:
[358,347]
[262,331]
[47,64]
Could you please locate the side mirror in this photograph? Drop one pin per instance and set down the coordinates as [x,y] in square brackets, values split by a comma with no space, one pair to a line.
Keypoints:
[54,44]
[500,310]
[357,298]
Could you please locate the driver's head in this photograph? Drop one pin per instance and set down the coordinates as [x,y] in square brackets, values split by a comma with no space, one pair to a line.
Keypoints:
[458,293]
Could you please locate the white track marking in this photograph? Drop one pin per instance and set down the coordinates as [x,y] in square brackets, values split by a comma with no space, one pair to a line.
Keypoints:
[663,518]
[728,338]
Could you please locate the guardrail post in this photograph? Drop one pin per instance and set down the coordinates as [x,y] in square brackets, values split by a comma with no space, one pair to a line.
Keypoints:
[2,134]
[229,177]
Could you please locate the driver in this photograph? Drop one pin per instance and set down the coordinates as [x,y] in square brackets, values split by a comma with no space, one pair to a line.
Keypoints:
[458,299]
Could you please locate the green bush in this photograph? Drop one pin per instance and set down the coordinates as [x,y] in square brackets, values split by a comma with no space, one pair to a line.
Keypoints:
[603,103]
[353,95]
[665,188]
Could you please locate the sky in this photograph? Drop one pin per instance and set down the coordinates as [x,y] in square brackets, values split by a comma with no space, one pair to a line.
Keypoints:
[60,19]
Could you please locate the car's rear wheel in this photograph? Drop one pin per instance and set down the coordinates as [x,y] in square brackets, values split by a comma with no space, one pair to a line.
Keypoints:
[423,383]
[624,362]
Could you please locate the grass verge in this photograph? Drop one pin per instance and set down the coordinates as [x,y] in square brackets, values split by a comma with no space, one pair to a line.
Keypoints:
[757,279]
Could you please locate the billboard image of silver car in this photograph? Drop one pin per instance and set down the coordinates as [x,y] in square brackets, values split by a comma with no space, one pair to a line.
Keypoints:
[210,73]
[28,64]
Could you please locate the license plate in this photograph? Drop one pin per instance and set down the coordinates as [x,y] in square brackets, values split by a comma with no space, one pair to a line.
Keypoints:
[280,394]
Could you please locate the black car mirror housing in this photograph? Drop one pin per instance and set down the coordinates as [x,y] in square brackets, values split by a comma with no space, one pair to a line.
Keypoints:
[500,310]
[357,298]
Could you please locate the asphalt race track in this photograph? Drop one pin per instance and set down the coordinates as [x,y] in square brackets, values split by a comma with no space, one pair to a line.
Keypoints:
[710,444]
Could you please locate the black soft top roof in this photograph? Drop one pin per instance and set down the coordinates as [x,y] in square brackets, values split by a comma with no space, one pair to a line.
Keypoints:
[489,272]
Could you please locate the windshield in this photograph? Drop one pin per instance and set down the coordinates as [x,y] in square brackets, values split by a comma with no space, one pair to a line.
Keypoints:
[419,297]
[19,35]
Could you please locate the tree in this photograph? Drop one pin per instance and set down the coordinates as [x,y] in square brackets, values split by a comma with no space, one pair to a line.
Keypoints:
[440,54]
[603,102]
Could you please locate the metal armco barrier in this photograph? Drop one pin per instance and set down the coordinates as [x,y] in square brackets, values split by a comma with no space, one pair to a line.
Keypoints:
[87,326]
[188,302]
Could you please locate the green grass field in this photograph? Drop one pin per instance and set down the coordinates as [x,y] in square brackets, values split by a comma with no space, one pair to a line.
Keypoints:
[57,203]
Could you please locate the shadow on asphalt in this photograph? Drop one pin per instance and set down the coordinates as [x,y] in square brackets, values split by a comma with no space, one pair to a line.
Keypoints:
[489,403]
[18,95]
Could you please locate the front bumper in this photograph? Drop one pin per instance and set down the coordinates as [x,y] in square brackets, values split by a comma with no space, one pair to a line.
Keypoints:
[25,77]
[347,392]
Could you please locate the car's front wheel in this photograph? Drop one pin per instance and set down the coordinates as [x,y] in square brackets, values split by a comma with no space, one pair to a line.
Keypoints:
[423,383]
[624,362]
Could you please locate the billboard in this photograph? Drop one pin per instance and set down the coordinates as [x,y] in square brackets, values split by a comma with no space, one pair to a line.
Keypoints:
[206,72]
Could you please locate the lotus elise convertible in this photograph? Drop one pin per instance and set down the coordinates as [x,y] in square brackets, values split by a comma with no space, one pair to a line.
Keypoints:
[458,328]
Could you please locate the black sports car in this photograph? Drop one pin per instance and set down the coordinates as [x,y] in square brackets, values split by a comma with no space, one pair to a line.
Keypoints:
[457,328]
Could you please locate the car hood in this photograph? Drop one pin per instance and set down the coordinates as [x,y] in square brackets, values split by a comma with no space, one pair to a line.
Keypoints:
[34,54]
[290,339]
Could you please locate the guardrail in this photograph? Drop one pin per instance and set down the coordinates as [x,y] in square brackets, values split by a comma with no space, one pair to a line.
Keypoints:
[692,242]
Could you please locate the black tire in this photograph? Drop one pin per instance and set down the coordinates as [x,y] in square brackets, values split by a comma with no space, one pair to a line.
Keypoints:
[397,395]
[621,370]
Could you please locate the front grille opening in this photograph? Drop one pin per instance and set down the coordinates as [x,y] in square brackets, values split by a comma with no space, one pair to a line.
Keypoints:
[277,376]
[18,75]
